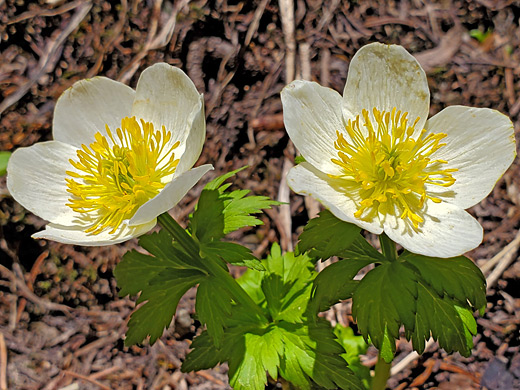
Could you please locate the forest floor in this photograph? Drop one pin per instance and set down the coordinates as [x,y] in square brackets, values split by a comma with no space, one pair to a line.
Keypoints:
[62,322]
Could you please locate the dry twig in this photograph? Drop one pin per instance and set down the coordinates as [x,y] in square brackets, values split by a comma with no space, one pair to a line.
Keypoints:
[3,363]
[50,56]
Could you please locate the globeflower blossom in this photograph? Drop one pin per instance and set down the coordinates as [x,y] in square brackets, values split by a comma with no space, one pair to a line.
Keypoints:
[119,158]
[373,159]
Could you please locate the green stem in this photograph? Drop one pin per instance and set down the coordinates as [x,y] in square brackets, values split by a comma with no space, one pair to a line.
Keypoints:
[179,234]
[191,247]
[381,375]
[388,247]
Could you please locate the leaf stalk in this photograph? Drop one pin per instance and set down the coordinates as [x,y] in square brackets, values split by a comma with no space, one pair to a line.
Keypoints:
[382,373]
[191,247]
[388,247]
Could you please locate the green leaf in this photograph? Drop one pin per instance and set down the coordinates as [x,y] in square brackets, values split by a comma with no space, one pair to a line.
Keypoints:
[213,305]
[354,347]
[207,221]
[250,353]
[162,295]
[238,208]
[297,352]
[336,283]
[360,249]
[457,277]
[383,300]
[287,284]
[4,160]
[292,346]
[429,296]
[163,280]
[251,282]
[219,212]
[217,183]
[232,253]
[203,355]
[283,290]
[445,320]
[327,236]
[137,269]
[312,351]
[299,159]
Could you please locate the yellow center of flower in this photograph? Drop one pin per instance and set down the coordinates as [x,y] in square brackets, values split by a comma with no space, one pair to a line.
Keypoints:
[117,174]
[386,170]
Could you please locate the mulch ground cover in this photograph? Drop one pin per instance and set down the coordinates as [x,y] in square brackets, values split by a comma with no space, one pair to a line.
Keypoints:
[62,323]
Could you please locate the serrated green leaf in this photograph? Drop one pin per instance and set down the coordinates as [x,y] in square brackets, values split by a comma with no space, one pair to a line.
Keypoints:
[4,160]
[162,294]
[457,277]
[444,320]
[384,299]
[207,221]
[467,318]
[312,351]
[238,208]
[327,236]
[163,278]
[219,181]
[251,282]
[429,296]
[360,249]
[355,346]
[287,284]
[297,352]
[213,306]
[136,269]
[336,283]
[291,346]
[247,368]
[250,353]
[387,349]
[203,354]
[233,253]
[219,212]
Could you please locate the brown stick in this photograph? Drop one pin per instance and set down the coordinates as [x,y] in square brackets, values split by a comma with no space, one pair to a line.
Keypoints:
[50,56]
[3,363]
[87,379]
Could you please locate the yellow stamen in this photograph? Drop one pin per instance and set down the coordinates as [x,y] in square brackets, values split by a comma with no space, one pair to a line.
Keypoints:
[118,173]
[385,169]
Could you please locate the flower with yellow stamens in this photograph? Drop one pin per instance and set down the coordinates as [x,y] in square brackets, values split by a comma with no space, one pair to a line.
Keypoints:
[119,158]
[373,159]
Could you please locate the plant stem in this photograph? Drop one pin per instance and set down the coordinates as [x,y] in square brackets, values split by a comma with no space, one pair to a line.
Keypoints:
[381,375]
[388,247]
[191,247]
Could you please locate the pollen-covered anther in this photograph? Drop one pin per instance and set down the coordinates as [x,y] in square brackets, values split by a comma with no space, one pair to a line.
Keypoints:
[386,165]
[118,173]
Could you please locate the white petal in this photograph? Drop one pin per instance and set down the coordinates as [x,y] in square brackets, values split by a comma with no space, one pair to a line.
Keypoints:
[89,105]
[36,180]
[312,114]
[195,139]
[480,143]
[167,97]
[447,231]
[304,179]
[76,236]
[170,195]
[384,77]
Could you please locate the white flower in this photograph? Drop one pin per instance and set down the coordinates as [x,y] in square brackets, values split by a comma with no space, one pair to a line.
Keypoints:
[119,158]
[374,160]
